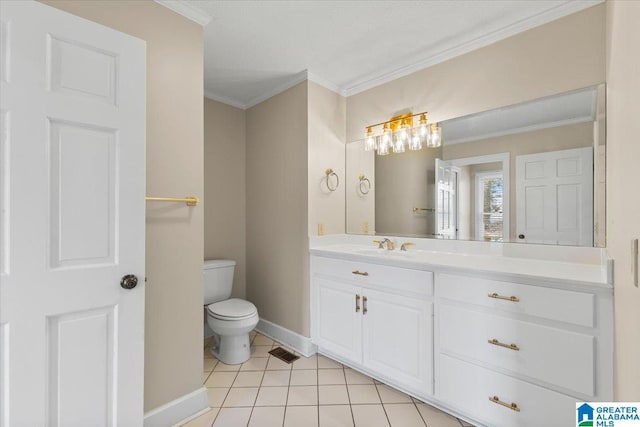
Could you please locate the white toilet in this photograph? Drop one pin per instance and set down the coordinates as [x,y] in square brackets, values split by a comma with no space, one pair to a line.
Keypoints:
[231,320]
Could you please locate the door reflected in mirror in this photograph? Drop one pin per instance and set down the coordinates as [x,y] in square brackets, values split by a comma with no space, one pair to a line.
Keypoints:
[528,173]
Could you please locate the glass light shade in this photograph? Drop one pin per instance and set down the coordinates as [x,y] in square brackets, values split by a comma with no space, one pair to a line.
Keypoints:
[423,127]
[403,131]
[416,141]
[369,143]
[435,136]
[383,146]
[385,140]
[398,144]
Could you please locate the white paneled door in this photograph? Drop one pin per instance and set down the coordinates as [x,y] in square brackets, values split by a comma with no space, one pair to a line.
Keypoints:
[554,197]
[72,171]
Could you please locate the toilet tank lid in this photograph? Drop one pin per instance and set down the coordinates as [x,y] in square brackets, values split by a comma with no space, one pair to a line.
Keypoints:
[218,263]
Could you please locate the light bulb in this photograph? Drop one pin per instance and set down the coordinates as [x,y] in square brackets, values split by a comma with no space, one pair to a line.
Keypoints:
[385,140]
[403,131]
[370,141]
[383,147]
[398,145]
[416,142]
[423,128]
[435,137]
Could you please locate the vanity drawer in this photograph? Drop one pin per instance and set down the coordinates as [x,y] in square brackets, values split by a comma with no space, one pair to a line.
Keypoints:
[542,352]
[393,278]
[548,303]
[468,387]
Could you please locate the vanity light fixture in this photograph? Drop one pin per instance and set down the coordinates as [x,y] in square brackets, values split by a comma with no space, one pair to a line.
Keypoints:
[400,132]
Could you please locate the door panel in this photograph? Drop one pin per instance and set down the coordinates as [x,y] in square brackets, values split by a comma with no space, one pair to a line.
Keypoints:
[72,111]
[339,324]
[397,339]
[554,197]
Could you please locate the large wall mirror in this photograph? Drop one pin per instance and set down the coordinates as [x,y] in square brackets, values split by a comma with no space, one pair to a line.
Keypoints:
[528,173]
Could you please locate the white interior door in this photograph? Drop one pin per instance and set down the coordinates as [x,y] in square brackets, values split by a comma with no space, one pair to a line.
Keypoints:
[446,199]
[72,169]
[554,197]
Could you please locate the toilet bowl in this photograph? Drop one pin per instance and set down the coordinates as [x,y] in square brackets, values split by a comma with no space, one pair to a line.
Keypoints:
[230,320]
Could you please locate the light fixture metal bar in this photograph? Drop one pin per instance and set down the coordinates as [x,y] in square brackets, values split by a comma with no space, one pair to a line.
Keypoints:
[396,119]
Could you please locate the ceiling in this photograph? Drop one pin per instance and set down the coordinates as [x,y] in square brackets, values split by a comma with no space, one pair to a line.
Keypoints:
[255,49]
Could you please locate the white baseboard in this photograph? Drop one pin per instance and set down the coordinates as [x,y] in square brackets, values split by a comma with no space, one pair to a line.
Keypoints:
[297,342]
[178,410]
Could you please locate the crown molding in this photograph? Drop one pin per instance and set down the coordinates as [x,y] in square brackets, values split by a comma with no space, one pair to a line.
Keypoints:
[325,83]
[449,52]
[188,10]
[294,80]
[224,99]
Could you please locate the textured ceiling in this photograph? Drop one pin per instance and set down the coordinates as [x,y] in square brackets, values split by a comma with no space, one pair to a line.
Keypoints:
[253,49]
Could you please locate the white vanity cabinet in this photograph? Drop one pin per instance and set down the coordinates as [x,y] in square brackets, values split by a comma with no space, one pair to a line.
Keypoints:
[514,354]
[376,318]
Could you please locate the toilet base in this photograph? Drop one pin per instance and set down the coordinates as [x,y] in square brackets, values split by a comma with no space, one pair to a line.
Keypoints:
[231,349]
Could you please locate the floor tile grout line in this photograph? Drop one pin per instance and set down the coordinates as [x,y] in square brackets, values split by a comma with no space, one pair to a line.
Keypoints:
[257,394]
[383,408]
[225,398]
[318,388]
[231,386]
[353,417]
[419,413]
[286,401]
[346,386]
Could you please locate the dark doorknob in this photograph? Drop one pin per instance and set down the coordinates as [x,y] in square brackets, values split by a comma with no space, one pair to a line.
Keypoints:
[520,236]
[129,281]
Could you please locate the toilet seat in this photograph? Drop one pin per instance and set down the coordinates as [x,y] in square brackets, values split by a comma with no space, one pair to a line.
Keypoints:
[232,309]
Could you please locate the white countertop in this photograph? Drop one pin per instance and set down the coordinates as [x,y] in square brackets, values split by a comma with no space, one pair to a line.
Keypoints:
[580,266]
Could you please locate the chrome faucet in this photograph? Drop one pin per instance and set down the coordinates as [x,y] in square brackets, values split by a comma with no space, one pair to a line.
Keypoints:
[390,244]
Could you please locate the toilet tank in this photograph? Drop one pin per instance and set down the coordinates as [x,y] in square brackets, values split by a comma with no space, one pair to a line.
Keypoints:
[218,279]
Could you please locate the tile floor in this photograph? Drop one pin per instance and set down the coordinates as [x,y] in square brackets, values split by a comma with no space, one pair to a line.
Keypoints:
[313,391]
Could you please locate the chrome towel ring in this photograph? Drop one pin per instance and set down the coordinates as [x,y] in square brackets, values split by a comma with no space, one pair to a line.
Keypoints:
[328,174]
[364,184]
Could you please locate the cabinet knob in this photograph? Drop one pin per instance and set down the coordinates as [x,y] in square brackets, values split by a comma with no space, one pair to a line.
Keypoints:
[357,303]
[364,305]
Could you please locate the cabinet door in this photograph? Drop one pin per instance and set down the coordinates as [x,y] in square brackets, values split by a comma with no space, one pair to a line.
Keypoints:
[398,337]
[338,323]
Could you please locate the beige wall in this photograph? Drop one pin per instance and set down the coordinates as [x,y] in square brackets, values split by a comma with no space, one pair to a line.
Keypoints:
[224,188]
[553,139]
[623,198]
[361,218]
[405,181]
[277,204]
[327,120]
[556,57]
[173,320]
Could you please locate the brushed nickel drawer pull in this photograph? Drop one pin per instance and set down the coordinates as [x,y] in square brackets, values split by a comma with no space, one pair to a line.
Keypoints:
[357,303]
[500,344]
[497,296]
[364,305]
[512,406]
[360,273]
